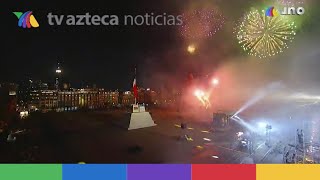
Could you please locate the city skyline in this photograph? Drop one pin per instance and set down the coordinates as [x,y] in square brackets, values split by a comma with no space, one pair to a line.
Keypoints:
[58,79]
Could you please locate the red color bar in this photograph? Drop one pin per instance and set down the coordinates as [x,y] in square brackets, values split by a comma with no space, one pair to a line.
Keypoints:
[223,172]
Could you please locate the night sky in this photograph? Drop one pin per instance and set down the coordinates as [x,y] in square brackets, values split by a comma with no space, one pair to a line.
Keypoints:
[106,56]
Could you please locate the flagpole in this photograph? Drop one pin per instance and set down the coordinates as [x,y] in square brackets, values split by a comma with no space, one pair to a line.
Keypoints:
[135,76]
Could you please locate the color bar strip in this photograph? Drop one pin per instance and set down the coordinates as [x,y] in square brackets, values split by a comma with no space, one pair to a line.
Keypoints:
[94,172]
[29,171]
[159,172]
[223,172]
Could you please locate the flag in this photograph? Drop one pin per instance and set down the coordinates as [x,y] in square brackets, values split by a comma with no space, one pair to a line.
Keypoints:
[135,88]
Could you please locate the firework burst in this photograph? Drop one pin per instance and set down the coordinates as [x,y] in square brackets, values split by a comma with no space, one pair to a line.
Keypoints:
[201,24]
[264,36]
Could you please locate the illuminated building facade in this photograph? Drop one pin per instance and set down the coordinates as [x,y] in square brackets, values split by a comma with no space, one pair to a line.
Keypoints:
[48,100]
[128,98]
[75,99]
[37,96]
[113,98]
[146,96]
[79,99]
[30,94]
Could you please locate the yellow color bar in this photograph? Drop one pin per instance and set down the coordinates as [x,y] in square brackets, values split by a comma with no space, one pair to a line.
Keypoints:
[290,172]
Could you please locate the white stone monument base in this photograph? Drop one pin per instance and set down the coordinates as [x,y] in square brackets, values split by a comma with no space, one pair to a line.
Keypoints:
[140,120]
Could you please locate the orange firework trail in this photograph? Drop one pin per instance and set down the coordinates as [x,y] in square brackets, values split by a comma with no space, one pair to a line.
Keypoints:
[203,98]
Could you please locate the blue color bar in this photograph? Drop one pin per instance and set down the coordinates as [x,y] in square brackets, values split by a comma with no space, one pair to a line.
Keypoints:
[94,172]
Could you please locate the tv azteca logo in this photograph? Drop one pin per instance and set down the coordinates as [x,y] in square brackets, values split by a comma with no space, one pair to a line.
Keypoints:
[26,20]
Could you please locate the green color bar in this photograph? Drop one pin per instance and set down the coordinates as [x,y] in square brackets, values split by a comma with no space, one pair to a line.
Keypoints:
[30,172]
